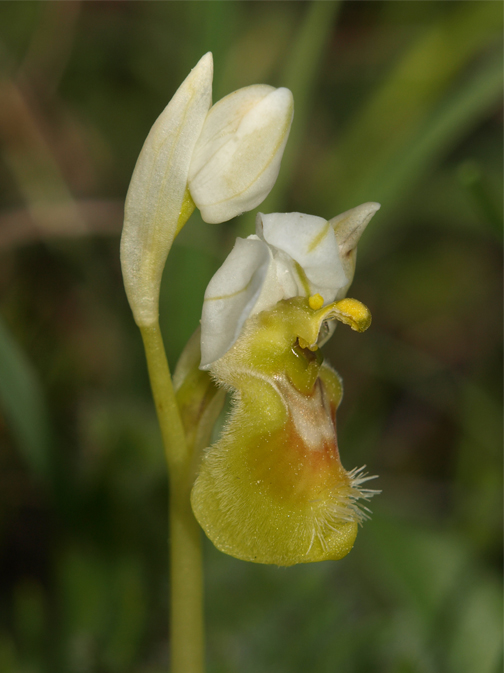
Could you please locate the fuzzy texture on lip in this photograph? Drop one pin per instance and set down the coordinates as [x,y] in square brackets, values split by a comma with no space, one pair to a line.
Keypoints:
[273,489]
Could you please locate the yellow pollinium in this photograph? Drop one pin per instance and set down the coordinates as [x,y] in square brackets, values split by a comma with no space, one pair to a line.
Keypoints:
[273,489]
[316,301]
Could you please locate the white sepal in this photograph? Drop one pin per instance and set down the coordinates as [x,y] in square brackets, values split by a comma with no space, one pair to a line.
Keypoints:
[157,188]
[348,228]
[291,255]
[237,157]
[245,284]
[310,242]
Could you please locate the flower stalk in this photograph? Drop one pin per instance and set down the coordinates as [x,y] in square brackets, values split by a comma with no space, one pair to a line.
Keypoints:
[186,572]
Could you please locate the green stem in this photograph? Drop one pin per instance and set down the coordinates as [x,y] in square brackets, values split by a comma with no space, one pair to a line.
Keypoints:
[187,630]
[187,639]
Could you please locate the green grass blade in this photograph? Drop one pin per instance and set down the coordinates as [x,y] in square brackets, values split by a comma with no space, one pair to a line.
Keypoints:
[23,405]
[405,99]
[442,129]
[300,75]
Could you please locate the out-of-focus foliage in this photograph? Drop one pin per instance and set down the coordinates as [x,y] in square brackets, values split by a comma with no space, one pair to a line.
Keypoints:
[397,102]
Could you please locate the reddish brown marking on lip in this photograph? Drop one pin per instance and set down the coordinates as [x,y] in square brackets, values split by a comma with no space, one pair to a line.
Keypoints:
[300,462]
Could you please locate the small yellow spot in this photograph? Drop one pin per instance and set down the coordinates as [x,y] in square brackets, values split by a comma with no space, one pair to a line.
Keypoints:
[316,301]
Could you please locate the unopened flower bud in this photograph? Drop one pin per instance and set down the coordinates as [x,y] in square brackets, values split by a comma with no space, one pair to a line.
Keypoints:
[237,157]
[224,160]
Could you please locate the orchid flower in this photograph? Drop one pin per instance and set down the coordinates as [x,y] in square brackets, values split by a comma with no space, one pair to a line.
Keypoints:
[223,159]
[273,489]
[290,255]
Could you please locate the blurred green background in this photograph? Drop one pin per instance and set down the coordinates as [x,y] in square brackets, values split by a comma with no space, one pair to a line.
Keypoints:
[397,102]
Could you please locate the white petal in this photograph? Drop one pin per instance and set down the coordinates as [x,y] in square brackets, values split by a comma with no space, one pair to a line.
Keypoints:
[157,188]
[310,241]
[245,284]
[237,157]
